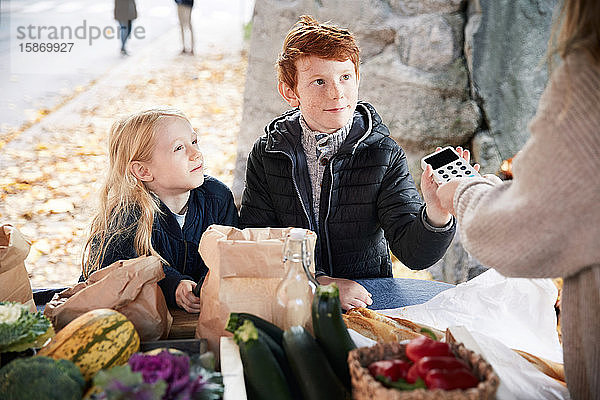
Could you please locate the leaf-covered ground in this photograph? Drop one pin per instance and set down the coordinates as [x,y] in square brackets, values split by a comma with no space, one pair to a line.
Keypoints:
[52,167]
[51,170]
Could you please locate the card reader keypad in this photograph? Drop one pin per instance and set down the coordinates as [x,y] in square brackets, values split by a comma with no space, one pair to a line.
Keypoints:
[457,169]
[450,172]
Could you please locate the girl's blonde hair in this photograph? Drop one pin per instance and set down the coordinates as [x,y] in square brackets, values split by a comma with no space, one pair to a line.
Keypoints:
[126,206]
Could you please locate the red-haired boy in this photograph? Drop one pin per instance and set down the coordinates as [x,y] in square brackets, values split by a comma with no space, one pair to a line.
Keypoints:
[329,165]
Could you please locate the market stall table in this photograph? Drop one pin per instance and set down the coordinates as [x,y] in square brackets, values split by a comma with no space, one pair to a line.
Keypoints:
[184,324]
[183,327]
[387,293]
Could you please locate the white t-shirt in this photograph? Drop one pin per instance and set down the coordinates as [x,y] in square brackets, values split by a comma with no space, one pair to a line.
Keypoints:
[180,219]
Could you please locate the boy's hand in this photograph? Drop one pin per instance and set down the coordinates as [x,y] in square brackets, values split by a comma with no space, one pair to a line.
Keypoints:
[438,209]
[185,298]
[437,213]
[352,294]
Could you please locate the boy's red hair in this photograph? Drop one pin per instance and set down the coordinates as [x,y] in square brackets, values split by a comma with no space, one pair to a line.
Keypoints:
[310,38]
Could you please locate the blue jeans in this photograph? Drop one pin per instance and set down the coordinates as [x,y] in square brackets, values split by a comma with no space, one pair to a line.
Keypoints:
[125,32]
[397,292]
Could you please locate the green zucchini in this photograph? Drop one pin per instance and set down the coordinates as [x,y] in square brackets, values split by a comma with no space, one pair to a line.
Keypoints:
[264,377]
[310,367]
[281,358]
[330,330]
[237,319]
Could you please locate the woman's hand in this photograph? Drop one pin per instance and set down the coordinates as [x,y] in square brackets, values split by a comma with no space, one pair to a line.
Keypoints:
[185,298]
[447,190]
[445,194]
[352,294]
[439,208]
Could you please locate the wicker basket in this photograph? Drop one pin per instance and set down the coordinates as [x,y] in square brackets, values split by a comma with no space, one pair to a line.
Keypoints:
[365,387]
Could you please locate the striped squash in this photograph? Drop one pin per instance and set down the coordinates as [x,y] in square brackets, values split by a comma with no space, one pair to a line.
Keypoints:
[96,340]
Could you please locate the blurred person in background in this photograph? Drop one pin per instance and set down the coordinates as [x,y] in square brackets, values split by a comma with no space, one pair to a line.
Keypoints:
[125,13]
[184,13]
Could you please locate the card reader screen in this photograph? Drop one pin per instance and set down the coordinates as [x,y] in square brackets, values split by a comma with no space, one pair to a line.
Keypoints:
[442,158]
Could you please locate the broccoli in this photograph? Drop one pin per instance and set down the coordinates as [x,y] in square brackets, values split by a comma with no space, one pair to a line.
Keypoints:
[41,378]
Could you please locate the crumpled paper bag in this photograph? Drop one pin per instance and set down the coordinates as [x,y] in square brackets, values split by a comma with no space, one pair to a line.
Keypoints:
[128,286]
[14,281]
[245,268]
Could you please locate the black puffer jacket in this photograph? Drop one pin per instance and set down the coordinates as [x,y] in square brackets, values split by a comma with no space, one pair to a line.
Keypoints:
[369,202]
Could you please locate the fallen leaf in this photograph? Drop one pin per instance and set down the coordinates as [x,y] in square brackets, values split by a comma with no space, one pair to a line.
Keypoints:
[41,245]
[56,206]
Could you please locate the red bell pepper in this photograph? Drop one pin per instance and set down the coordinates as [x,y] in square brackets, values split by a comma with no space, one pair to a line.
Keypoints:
[413,374]
[392,369]
[424,347]
[450,379]
[426,364]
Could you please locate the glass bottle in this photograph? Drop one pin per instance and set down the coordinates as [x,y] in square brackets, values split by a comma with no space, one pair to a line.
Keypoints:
[293,298]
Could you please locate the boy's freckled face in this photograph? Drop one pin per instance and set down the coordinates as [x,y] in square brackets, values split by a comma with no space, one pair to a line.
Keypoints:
[327,91]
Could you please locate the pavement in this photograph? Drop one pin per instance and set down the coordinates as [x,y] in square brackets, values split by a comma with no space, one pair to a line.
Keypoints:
[50,171]
[32,83]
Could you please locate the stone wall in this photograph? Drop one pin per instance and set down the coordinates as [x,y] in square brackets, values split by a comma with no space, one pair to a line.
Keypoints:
[505,50]
[440,72]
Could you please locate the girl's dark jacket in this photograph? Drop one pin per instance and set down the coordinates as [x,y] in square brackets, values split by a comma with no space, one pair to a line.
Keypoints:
[369,203]
[211,203]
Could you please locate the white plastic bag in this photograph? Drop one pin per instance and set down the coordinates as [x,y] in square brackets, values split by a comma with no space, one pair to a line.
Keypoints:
[518,378]
[360,340]
[518,312]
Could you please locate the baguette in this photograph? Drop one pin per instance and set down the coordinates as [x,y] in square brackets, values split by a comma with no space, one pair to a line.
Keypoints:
[370,328]
[370,314]
[400,324]
[552,369]
[377,330]
[439,335]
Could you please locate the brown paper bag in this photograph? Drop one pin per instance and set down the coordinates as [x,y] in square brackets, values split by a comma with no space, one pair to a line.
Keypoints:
[14,281]
[129,287]
[245,268]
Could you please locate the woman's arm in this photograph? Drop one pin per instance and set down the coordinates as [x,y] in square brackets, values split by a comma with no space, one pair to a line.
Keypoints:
[546,221]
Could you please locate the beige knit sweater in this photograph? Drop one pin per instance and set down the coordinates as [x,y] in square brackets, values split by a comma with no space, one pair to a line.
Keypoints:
[546,221]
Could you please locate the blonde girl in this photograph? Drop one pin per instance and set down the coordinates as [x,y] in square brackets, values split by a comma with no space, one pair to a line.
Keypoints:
[157,201]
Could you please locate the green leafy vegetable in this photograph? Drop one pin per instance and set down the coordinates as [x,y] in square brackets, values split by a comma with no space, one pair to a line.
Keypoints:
[21,329]
[160,376]
[401,384]
[429,333]
[202,368]
[121,383]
